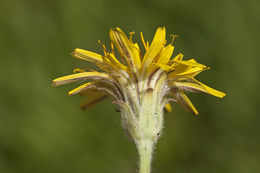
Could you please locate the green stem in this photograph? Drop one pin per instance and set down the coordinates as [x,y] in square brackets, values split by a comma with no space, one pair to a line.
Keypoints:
[145,149]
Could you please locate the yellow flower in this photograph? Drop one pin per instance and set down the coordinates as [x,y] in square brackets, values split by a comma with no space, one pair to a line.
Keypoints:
[141,84]
[127,79]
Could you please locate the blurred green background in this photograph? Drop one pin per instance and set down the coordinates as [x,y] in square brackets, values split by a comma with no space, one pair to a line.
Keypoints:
[43,130]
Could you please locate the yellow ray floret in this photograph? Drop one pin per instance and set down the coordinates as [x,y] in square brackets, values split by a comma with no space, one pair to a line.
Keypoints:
[155,47]
[178,57]
[79,89]
[184,101]
[125,48]
[87,55]
[190,63]
[187,86]
[191,71]
[165,54]
[211,90]
[78,76]
[114,61]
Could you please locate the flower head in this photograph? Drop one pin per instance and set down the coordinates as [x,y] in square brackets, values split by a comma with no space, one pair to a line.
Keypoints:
[137,81]
[127,78]
[141,84]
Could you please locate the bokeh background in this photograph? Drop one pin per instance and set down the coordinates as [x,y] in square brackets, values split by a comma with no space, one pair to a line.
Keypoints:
[42,130]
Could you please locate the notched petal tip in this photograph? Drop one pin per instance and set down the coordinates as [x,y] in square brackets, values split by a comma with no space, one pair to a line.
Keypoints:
[54,84]
[161,28]
[115,30]
[220,94]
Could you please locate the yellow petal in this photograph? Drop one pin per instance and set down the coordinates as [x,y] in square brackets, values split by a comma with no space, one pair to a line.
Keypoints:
[155,47]
[191,71]
[178,57]
[78,76]
[125,47]
[191,63]
[87,55]
[170,64]
[115,62]
[187,68]
[79,89]
[211,90]
[187,86]
[183,100]
[195,83]
[163,66]
[165,54]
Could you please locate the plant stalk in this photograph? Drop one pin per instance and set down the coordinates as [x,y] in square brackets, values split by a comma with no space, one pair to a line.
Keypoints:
[145,149]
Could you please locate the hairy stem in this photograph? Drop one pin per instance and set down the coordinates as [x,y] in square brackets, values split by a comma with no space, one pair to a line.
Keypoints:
[145,149]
